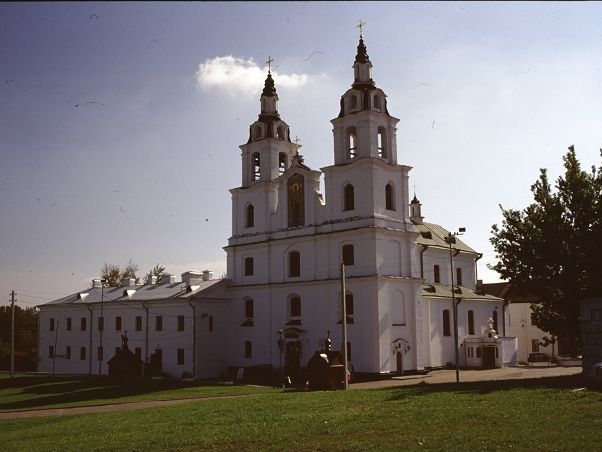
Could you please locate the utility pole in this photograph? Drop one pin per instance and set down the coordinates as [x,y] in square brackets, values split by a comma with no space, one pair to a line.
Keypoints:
[344,325]
[12,333]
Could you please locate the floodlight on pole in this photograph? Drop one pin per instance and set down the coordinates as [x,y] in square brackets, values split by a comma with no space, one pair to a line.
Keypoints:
[451,239]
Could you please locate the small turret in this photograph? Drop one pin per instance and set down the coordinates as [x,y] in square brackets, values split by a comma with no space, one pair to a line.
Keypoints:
[415,211]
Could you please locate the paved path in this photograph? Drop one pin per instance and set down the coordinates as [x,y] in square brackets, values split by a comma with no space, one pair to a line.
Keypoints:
[438,376]
[449,376]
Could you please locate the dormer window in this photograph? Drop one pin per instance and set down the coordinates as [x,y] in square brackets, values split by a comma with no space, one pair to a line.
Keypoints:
[378,103]
[256,162]
[353,103]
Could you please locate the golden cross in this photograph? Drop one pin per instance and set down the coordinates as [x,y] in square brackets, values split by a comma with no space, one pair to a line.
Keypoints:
[269,62]
[360,25]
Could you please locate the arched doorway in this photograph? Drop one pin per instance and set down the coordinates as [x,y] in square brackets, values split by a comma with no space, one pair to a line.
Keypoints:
[399,362]
[292,358]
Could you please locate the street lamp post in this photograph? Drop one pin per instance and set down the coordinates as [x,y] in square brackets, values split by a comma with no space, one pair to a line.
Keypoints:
[102,325]
[450,239]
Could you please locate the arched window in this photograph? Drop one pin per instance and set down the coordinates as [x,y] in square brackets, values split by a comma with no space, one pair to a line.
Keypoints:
[436,276]
[257,132]
[378,102]
[348,198]
[353,103]
[294,264]
[249,311]
[351,143]
[446,328]
[295,307]
[256,162]
[471,322]
[281,163]
[280,132]
[382,142]
[347,254]
[458,276]
[250,216]
[389,199]
[495,321]
[248,266]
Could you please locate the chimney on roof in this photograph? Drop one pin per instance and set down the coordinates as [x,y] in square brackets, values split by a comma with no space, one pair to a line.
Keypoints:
[96,283]
[127,282]
[168,279]
[153,280]
[192,278]
[207,275]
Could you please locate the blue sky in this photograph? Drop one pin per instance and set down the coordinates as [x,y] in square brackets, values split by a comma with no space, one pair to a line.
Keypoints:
[120,122]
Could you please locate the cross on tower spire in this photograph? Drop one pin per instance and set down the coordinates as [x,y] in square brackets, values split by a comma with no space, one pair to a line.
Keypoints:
[269,62]
[360,25]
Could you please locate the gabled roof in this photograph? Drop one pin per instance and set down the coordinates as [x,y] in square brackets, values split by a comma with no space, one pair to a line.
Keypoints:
[443,291]
[434,235]
[148,292]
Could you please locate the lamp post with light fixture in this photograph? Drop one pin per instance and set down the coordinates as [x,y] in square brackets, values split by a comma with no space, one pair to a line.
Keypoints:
[451,239]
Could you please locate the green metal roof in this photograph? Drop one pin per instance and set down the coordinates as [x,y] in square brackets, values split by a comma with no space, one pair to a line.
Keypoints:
[434,235]
[442,291]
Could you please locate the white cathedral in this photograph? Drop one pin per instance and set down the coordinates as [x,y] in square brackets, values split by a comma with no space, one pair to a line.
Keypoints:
[282,295]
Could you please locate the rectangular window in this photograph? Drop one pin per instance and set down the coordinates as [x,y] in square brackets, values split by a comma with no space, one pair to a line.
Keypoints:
[180,357]
[436,275]
[180,323]
[82,324]
[67,352]
[51,324]
[535,345]
[210,323]
[249,310]
[158,323]
[248,349]
[294,264]
[446,328]
[138,323]
[295,307]
[248,266]
[118,323]
[348,255]
[68,327]
[470,322]
[99,353]
[458,276]
[82,353]
[50,351]
[101,323]
[138,352]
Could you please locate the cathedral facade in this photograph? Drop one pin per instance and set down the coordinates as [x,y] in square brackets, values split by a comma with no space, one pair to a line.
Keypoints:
[282,296]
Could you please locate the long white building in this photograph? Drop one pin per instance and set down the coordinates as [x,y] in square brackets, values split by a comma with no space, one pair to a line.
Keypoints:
[282,294]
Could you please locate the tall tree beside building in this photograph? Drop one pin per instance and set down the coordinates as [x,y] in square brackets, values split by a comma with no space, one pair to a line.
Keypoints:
[553,248]
[113,274]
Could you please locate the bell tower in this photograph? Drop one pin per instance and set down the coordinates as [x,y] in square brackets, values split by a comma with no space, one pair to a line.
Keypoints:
[269,150]
[364,127]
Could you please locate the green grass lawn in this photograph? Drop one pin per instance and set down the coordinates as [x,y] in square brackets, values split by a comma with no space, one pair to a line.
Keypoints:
[520,415]
[37,391]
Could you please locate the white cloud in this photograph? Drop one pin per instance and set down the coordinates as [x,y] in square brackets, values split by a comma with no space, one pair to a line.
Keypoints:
[239,76]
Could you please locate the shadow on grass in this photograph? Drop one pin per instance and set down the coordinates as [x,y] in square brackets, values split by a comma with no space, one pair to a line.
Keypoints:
[486,387]
[49,391]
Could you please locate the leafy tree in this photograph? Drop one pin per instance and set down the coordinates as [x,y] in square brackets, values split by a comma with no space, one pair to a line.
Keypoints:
[26,329]
[552,249]
[113,274]
[158,271]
